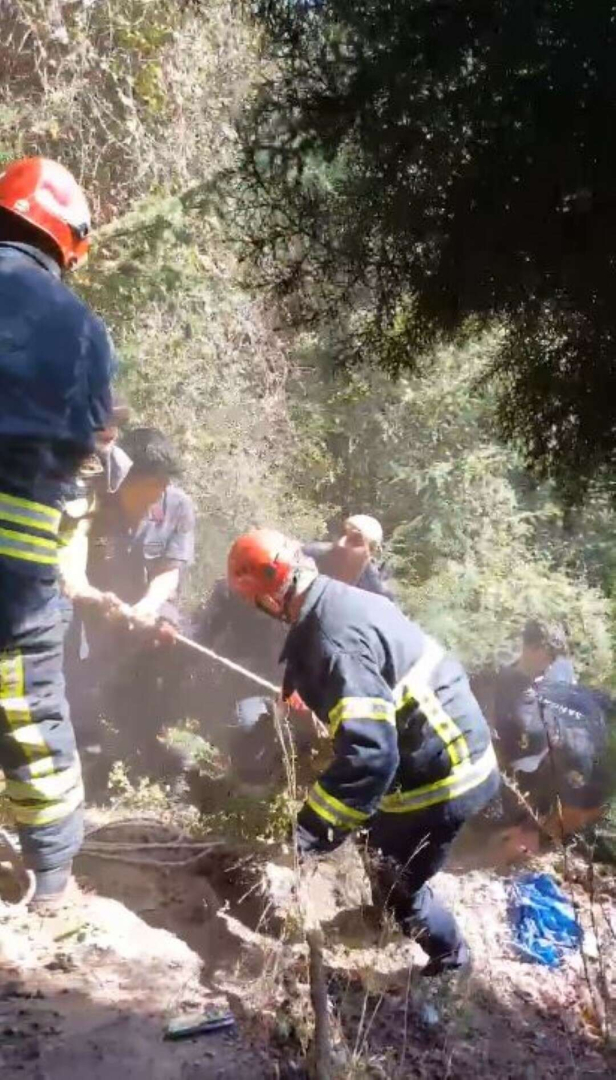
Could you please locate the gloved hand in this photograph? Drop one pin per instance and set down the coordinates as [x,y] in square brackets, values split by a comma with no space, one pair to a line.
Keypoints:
[295,702]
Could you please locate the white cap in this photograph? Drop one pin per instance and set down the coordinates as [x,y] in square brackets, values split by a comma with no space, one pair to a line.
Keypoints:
[369,527]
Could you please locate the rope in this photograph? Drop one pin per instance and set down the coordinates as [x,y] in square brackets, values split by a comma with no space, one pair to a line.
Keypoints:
[228,663]
[134,860]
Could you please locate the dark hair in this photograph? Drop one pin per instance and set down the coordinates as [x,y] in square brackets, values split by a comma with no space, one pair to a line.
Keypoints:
[151,453]
[14,229]
[545,635]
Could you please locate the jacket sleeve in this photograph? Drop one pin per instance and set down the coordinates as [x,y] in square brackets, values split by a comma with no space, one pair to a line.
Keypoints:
[181,543]
[102,364]
[359,710]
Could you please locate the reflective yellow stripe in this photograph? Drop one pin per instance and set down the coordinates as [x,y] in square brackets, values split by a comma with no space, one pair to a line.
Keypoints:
[30,739]
[44,766]
[36,549]
[26,512]
[360,708]
[464,778]
[414,689]
[333,811]
[36,541]
[12,684]
[49,788]
[16,708]
[57,793]
[45,815]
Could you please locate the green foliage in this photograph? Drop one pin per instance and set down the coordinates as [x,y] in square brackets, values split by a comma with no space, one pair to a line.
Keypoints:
[455,154]
[140,99]
[476,549]
[245,817]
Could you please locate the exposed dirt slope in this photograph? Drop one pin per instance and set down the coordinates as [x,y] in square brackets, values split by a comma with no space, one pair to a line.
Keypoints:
[89,993]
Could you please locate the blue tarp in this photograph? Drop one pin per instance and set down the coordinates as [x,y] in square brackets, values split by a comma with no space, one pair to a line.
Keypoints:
[543,919]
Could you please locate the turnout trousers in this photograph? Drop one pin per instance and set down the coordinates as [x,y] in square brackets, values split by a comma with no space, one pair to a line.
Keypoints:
[406,850]
[38,755]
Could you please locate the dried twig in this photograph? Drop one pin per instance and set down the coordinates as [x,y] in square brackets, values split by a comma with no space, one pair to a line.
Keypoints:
[322,1055]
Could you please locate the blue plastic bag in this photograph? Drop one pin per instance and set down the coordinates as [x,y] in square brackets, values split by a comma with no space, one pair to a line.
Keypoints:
[543,920]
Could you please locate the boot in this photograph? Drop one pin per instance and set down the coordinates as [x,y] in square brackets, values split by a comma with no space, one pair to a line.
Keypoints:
[453,961]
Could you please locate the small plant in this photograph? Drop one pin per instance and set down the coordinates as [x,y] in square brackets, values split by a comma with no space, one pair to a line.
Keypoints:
[197,751]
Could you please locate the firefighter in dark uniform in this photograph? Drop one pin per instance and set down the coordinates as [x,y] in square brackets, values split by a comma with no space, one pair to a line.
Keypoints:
[554,740]
[55,367]
[412,752]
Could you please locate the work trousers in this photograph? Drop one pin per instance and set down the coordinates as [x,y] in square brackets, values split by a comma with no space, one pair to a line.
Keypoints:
[38,755]
[406,850]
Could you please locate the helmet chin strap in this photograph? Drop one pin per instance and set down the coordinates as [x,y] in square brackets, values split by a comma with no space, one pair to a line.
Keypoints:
[290,595]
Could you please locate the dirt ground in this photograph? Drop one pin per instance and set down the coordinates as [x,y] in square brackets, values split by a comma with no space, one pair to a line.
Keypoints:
[89,993]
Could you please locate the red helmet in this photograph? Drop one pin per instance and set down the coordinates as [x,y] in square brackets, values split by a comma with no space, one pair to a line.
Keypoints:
[261,567]
[47,196]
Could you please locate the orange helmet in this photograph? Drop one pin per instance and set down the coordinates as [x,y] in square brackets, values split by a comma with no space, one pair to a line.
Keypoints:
[262,567]
[47,196]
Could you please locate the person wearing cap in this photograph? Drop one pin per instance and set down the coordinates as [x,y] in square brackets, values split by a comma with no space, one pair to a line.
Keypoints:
[56,364]
[544,655]
[554,741]
[353,557]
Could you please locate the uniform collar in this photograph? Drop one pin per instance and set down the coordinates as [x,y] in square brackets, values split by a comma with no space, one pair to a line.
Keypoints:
[46,261]
[313,595]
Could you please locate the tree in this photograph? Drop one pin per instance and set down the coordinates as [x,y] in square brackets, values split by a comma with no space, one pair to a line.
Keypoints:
[433,162]
[476,549]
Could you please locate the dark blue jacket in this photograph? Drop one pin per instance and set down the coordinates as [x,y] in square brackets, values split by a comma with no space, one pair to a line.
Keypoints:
[407,731]
[56,363]
[331,560]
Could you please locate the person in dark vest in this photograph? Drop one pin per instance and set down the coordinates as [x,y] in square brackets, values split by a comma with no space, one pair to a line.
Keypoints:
[553,743]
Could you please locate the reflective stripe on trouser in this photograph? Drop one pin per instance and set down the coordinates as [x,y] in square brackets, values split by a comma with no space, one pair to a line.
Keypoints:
[38,754]
[414,689]
[462,779]
[22,522]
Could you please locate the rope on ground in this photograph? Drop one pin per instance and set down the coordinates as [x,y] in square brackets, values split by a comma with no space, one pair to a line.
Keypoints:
[139,852]
[104,845]
[135,860]
[132,822]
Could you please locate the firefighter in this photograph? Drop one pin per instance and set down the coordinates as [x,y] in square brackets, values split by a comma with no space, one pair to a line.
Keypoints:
[554,742]
[56,363]
[354,556]
[412,752]
[544,655]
